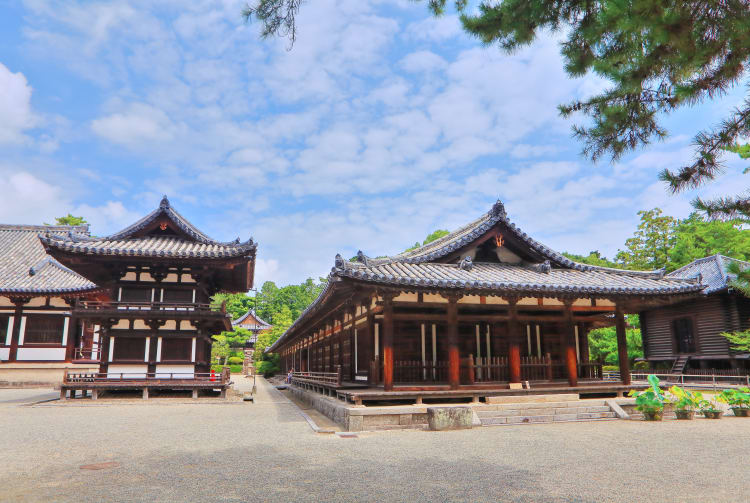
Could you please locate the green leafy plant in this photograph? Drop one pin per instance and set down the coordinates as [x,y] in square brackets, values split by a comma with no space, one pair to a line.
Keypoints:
[737,399]
[685,402]
[683,399]
[710,408]
[651,401]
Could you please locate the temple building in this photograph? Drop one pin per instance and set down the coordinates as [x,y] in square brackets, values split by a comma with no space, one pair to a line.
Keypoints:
[687,335]
[485,307]
[255,324]
[38,330]
[145,321]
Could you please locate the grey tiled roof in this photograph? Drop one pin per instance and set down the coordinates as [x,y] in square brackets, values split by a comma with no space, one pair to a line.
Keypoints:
[262,325]
[125,243]
[526,279]
[555,275]
[151,246]
[711,271]
[25,268]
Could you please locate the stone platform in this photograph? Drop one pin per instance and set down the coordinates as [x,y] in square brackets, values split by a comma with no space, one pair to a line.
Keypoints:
[502,410]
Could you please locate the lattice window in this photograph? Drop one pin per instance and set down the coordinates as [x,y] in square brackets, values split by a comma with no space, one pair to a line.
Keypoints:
[44,329]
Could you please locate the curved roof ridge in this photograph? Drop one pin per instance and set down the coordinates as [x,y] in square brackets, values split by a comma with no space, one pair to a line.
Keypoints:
[165,208]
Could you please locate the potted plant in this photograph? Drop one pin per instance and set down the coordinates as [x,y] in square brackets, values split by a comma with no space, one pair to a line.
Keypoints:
[710,409]
[738,400]
[685,402]
[651,401]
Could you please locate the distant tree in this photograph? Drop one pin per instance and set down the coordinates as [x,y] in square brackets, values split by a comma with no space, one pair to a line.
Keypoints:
[593,258]
[433,236]
[283,320]
[658,56]
[237,303]
[220,349]
[695,237]
[603,342]
[649,247]
[271,299]
[69,220]
[742,277]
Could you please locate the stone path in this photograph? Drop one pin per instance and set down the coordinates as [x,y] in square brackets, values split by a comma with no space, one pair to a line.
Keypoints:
[265,451]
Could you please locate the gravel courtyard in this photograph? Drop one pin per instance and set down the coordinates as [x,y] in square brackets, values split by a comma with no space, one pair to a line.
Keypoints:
[209,451]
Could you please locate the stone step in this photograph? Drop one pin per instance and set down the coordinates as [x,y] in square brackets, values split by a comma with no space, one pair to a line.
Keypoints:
[547,418]
[542,412]
[547,405]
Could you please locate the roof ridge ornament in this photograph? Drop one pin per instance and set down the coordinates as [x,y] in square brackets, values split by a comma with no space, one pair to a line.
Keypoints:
[543,267]
[164,204]
[338,262]
[361,257]
[498,209]
[466,264]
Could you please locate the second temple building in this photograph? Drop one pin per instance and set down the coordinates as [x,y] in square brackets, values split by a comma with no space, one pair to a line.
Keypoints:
[486,306]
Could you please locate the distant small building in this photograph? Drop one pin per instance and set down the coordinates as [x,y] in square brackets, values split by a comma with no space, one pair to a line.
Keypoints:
[687,334]
[252,322]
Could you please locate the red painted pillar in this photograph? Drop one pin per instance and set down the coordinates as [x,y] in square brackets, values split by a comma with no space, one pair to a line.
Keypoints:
[622,345]
[571,362]
[388,342]
[514,344]
[454,358]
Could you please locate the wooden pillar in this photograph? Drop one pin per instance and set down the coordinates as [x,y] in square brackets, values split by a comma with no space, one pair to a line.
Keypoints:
[622,345]
[454,358]
[15,333]
[72,333]
[571,362]
[388,341]
[514,342]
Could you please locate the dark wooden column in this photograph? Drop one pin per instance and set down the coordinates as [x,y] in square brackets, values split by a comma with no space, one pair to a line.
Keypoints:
[454,358]
[15,334]
[622,345]
[571,363]
[514,342]
[388,341]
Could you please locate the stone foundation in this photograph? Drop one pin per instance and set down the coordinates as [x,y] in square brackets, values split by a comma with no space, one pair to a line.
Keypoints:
[19,375]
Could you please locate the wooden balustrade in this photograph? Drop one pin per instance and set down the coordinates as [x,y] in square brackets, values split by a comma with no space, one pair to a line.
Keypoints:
[329,379]
[104,377]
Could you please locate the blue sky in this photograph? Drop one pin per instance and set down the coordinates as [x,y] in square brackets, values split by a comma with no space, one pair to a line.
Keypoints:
[379,126]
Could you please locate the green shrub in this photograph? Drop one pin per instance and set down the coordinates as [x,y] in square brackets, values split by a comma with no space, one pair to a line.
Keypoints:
[234,369]
[234,360]
[610,368]
[267,368]
[641,365]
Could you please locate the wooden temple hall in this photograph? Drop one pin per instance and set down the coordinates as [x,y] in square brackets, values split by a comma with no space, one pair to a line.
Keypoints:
[484,308]
[147,321]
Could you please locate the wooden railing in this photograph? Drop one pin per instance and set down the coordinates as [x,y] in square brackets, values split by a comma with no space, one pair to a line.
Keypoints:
[329,379]
[98,305]
[494,369]
[410,371]
[105,377]
[92,353]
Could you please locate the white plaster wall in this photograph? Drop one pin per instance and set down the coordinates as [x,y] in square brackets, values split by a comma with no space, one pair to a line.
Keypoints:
[48,354]
[185,371]
[4,353]
[113,371]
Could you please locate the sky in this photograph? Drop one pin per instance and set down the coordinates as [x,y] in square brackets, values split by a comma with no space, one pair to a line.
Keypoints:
[380,125]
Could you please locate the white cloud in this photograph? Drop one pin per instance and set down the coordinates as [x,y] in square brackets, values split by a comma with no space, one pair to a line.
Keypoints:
[16,115]
[139,124]
[28,199]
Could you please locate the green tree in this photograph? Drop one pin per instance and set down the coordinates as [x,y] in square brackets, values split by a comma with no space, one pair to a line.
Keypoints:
[603,342]
[649,247]
[593,258]
[237,304]
[696,237]
[742,277]
[69,220]
[282,321]
[271,299]
[658,56]
[433,236]
[220,349]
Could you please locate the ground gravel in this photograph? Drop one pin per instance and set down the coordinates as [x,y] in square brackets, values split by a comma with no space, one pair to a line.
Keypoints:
[265,451]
